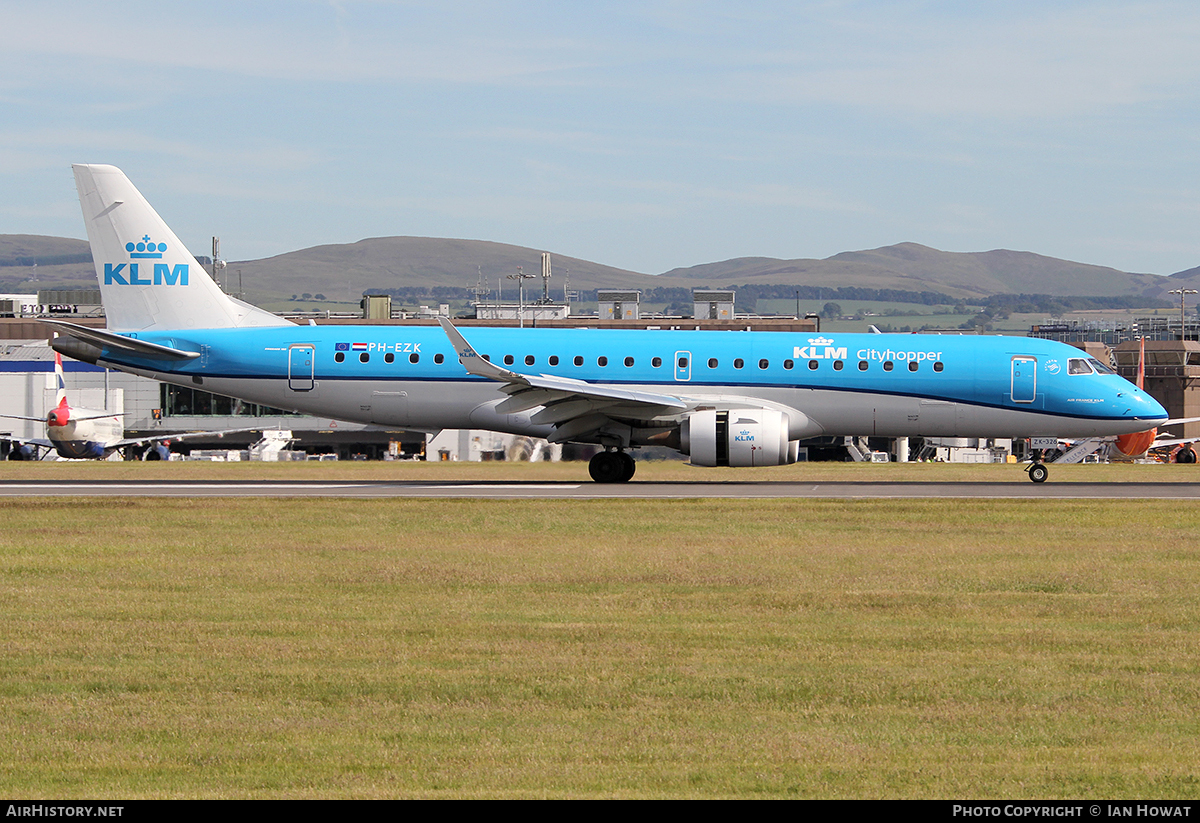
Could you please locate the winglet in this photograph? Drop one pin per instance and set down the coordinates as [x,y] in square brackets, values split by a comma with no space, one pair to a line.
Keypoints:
[472,361]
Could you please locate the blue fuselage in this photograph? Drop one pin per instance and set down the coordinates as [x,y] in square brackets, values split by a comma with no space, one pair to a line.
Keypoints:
[846,384]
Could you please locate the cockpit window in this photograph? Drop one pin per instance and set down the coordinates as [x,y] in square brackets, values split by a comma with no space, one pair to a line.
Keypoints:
[1078,365]
[1101,368]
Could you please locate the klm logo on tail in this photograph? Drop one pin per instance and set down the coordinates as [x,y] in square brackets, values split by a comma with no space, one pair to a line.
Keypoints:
[145,249]
[116,275]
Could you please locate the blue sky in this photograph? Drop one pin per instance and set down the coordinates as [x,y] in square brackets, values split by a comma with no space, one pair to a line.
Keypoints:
[643,135]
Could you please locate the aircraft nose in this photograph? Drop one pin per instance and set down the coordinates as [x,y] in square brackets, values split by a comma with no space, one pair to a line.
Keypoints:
[1159,409]
[1142,406]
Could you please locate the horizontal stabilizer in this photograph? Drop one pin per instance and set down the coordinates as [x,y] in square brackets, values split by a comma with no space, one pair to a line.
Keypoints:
[108,340]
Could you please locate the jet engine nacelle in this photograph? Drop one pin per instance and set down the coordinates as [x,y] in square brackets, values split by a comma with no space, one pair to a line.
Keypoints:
[1128,447]
[157,451]
[738,437]
[20,451]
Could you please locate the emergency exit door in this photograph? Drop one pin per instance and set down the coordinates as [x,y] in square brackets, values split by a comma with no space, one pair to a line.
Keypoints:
[300,367]
[1024,379]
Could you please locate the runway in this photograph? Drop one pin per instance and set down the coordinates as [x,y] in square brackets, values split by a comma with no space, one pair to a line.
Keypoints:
[1021,490]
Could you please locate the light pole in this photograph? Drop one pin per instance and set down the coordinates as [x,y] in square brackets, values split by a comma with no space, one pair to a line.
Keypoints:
[520,277]
[1182,296]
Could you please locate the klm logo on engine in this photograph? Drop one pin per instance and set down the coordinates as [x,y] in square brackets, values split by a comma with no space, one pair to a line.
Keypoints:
[116,274]
[819,348]
[744,436]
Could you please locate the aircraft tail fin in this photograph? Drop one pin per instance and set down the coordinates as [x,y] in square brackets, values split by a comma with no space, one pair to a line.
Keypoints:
[60,399]
[148,279]
[1141,372]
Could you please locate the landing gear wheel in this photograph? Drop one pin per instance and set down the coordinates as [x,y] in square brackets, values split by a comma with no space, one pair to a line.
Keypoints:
[611,467]
[1038,473]
[629,466]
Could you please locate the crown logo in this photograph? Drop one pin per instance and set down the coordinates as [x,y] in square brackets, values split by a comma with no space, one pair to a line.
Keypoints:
[145,250]
[820,341]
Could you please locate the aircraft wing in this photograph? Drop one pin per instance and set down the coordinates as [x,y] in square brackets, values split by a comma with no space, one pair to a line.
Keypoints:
[574,407]
[73,417]
[1178,421]
[33,441]
[137,441]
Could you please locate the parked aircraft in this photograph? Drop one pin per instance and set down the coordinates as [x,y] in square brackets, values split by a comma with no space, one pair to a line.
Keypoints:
[725,398]
[87,434]
[1126,448]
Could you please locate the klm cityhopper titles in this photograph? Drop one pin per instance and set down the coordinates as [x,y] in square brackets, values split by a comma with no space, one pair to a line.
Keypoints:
[724,398]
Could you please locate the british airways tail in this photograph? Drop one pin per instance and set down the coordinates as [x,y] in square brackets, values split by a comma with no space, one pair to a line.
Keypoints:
[148,279]
[60,398]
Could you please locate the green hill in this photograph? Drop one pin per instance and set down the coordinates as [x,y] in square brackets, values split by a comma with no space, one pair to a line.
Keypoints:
[342,272]
[914,267]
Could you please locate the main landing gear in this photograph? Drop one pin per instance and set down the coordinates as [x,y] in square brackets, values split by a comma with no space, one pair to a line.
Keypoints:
[611,467]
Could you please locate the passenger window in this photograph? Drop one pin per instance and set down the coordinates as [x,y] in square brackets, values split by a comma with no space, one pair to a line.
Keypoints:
[439,359]
[487,357]
[364,357]
[339,357]
[938,366]
[389,358]
[888,365]
[629,362]
[837,365]
[656,362]
[862,365]
[912,365]
[712,362]
[812,365]
[737,364]
[601,361]
[683,361]
[553,360]
[414,358]
[762,364]
[578,361]
[787,364]
[508,359]
[530,360]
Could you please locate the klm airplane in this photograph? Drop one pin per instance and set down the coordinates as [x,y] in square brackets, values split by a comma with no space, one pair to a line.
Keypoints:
[725,398]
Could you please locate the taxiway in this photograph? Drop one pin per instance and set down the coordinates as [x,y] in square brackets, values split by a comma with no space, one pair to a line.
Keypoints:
[1022,490]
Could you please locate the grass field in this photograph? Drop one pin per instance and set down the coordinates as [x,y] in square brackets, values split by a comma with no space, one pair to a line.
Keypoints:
[647,471]
[697,648]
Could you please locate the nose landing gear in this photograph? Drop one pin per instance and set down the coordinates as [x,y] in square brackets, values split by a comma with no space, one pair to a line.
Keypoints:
[1037,470]
[611,467]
